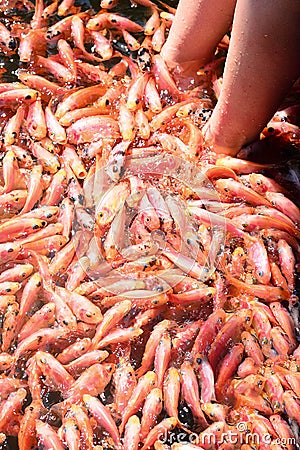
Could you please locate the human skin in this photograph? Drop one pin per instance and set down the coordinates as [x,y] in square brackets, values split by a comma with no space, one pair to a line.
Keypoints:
[262,62]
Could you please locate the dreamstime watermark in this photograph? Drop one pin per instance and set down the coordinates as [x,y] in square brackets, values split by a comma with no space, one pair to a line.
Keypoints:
[238,435]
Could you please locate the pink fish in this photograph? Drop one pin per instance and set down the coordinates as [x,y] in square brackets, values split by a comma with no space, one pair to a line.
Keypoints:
[35,120]
[162,358]
[55,130]
[10,406]
[151,345]
[43,318]
[163,77]
[83,308]
[190,392]
[71,433]
[159,430]
[92,381]
[47,436]
[102,416]
[229,334]
[56,376]
[66,53]
[287,262]
[206,376]
[45,87]
[125,383]
[151,410]
[111,317]
[138,396]
[227,368]
[132,434]
[13,126]
[17,96]
[259,259]
[152,23]
[92,128]
[80,364]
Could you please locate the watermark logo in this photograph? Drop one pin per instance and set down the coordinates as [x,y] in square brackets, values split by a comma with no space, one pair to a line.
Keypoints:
[237,435]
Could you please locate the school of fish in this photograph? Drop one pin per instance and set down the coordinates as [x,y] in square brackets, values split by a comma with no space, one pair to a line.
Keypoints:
[147,285]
